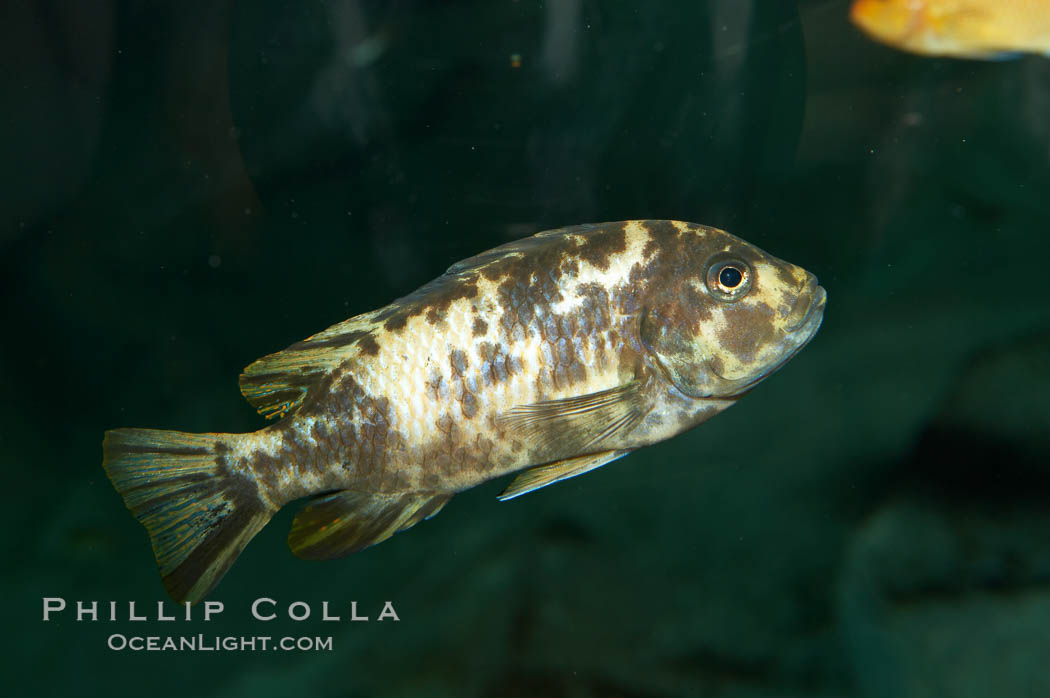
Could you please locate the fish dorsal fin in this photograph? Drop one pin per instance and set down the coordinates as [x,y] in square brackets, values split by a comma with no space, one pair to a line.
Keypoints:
[526,245]
[580,423]
[535,478]
[277,384]
[344,522]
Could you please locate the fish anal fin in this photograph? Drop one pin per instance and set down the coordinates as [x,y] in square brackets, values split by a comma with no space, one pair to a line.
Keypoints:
[543,475]
[580,423]
[346,521]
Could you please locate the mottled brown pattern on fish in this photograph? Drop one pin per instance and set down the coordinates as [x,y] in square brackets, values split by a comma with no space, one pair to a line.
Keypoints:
[534,320]
[435,316]
[598,250]
[345,434]
[433,298]
[663,237]
[741,338]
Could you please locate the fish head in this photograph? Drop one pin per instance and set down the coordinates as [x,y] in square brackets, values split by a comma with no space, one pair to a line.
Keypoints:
[728,315]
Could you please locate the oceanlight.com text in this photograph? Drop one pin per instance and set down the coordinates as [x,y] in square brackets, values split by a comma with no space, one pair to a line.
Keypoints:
[216,643]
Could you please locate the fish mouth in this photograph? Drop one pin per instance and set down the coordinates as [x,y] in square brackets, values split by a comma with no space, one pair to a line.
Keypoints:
[811,299]
[810,322]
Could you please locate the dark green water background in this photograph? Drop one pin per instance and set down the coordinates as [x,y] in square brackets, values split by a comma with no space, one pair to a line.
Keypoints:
[188,186]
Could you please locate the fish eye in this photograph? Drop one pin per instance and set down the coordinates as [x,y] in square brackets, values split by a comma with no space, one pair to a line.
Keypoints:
[729,279]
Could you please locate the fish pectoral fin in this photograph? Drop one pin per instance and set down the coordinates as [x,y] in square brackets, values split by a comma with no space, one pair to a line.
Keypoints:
[277,384]
[541,476]
[580,423]
[337,524]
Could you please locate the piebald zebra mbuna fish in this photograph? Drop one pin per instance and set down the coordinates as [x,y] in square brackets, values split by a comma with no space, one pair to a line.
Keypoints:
[552,355]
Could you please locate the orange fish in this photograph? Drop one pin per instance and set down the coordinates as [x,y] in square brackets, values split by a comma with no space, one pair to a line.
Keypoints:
[957,28]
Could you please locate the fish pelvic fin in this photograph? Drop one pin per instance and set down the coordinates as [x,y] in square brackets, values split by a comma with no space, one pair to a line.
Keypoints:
[199,513]
[340,523]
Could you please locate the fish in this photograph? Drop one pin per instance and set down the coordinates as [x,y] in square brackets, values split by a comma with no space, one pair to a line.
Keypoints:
[986,29]
[549,357]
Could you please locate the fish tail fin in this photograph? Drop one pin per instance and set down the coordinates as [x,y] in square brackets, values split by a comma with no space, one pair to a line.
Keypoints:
[199,514]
